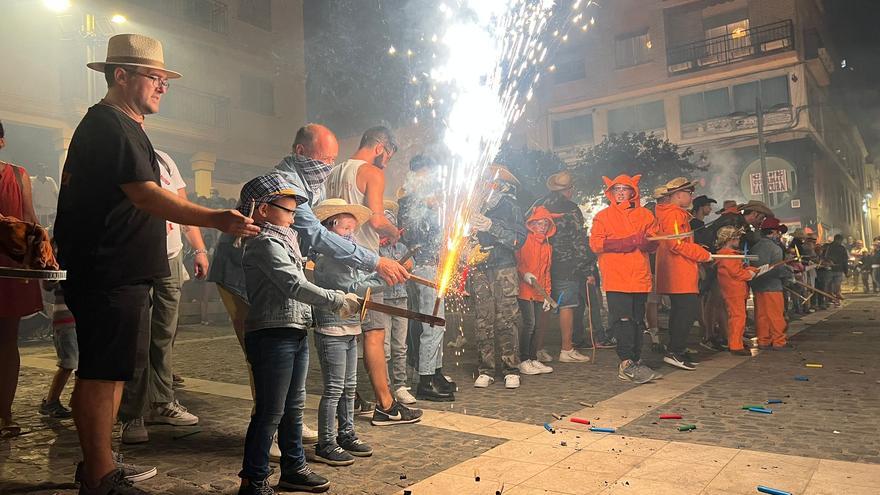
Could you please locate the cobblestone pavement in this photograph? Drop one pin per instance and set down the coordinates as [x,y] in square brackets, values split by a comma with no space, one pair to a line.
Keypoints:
[42,460]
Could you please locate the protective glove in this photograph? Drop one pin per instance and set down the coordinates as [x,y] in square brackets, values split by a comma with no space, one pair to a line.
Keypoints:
[763,269]
[625,245]
[530,278]
[547,306]
[480,222]
[350,306]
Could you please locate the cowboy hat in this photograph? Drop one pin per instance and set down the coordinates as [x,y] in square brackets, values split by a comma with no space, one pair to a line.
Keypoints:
[703,200]
[679,184]
[335,206]
[391,206]
[135,50]
[659,192]
[499,172]
[727,233]
[757,206]
[728,203]
[773,223]
[560,181]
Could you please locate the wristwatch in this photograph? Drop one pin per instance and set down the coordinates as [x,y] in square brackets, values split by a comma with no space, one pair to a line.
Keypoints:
[200,251]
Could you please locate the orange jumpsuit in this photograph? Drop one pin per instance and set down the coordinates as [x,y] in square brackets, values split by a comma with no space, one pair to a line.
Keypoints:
[732,278]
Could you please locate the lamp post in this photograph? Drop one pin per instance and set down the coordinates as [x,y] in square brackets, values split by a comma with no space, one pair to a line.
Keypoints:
[762,155]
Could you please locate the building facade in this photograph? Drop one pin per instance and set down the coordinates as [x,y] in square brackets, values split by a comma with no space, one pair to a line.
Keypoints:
[232,115]
[694,71]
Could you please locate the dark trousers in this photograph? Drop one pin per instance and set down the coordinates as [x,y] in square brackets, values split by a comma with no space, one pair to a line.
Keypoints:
[626,314]
[531,312]
[684,311]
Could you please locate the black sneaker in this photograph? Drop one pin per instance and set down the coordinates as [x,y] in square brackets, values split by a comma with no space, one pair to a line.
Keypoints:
[333,455]
[679,361]
[692,357]
[131,472]
[355,447]
[397,415]
[362,407]
[304,480]
[710,345]
[255,487]
[607,344]
[54,409]
[112,484]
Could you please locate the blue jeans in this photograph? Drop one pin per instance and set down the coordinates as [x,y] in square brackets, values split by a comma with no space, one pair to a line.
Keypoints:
[279,360]
[431,340]
[338,356]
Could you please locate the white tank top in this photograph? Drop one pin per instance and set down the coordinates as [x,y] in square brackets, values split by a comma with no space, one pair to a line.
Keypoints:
[342,183]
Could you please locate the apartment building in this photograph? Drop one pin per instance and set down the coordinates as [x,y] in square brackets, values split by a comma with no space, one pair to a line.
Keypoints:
[692,71]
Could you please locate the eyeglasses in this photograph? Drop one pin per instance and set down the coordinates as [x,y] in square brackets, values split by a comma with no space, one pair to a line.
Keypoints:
[288,210]
[390,147]
[158,82]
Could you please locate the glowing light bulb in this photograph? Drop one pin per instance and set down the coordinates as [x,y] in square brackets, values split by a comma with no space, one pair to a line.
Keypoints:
[57,5]
[392,50]
[118,19]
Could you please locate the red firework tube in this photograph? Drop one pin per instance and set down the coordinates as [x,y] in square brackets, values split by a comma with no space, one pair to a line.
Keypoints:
[670,416]
[579,421]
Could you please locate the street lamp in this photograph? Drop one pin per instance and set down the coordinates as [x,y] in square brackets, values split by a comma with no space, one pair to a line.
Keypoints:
[118,19]
[57,5]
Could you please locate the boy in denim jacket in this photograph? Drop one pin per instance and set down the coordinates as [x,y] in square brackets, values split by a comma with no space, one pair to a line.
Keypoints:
[276,342]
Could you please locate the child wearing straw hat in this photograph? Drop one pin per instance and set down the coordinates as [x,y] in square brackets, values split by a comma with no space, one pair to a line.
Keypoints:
[732,279]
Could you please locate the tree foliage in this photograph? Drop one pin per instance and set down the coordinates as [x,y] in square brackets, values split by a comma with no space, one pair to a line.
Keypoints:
[532,168]
[657,160]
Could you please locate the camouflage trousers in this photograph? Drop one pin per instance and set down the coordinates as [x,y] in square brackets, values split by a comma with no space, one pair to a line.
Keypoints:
[498,320]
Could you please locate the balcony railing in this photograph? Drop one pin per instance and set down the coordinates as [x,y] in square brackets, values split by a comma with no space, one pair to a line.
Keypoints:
[739,45]
[189,105]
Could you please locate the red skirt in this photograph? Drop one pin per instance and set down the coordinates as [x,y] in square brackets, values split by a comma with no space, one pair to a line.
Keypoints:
[18,297]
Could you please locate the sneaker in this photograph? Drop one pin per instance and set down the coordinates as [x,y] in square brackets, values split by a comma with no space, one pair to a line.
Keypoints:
[679,361]
[114,483]
[544,356]
[655,375]
[607,344]
[255,487]
[274,449]
[54,409]
[304,480]
[397,415]
[172,413]
[527,367]
[572,356]
[333,455]
[134,431]
[483,381]
[403,395]
[645,374]
[511,381]
[363,407]
[177,379]
[131,472]
[541,367]
[309,436]
[692,356]
[626,371]
[710,346]
[355,446]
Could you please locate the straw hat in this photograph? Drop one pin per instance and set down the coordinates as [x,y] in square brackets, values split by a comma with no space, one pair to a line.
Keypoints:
[727,233]
[136,50]
[391,206]
[755,205]
[335,206]
[679,184]
[659,192]
[499,172]
[560,181]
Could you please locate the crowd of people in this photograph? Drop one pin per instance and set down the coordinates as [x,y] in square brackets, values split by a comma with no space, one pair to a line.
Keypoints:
[307,242]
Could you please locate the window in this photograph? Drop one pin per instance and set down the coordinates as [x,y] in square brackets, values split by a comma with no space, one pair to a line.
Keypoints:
[571,70]
[257,95]
[256,12]
[637,118]
[771,91]
[734,24]
[699,107]
[573,131]
[632,49]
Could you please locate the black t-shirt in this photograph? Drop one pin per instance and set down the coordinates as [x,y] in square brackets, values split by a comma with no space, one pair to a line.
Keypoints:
[103,240]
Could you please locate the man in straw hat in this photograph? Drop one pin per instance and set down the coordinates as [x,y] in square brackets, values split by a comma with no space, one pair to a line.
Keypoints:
[569,267]
[360,180]
[619,236]
[111,240]
[677,274]
[495,281]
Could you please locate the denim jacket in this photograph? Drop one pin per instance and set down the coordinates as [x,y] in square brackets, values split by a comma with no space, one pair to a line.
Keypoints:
[395,252]
[279,294]
[506,235]
[226,268]
[336,276]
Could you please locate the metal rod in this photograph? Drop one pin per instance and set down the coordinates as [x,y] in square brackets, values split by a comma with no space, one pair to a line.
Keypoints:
[762,156]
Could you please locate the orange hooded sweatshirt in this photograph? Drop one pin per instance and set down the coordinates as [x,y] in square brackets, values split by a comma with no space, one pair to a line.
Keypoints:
[732,276]
[534,256]
[629,223]
[676,268]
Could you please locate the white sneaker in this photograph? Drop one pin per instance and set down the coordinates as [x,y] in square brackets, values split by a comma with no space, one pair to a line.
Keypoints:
[528,367]
[572,356]
[544,356]
[309,436]
[403,395]
[483,381]
[172,413]
[541,367]
[274,450]
[511,381]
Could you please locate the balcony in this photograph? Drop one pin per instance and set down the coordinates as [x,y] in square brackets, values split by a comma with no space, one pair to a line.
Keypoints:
[191,106]
[740,45]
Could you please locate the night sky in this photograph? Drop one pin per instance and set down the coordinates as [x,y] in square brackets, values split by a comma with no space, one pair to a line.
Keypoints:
[354,84]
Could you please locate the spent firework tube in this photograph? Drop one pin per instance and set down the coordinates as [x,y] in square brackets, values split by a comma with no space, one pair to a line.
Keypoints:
[579,421]
[761,410]
[670,416]
[687,427]
[775,401]
[772,491]
[549,428]
[801,378]
[602,430]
